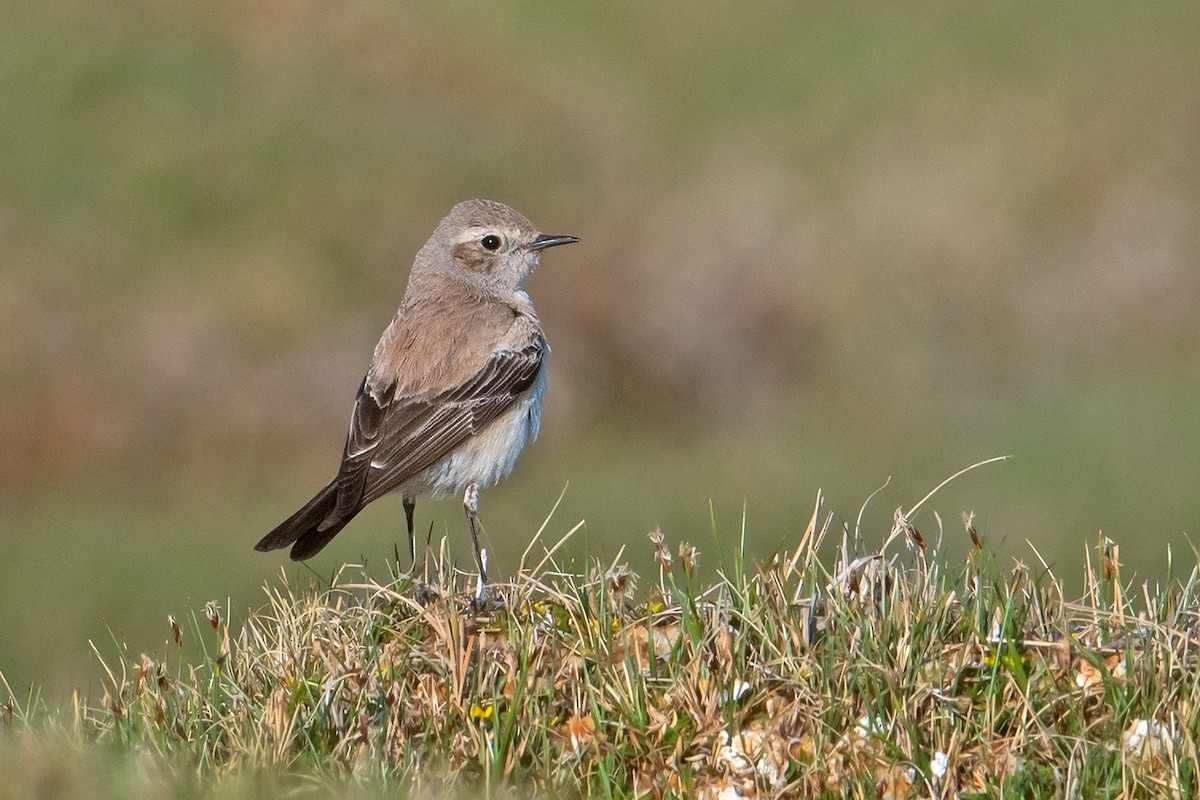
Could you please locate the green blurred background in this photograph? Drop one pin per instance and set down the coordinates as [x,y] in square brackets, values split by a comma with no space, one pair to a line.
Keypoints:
[823,244]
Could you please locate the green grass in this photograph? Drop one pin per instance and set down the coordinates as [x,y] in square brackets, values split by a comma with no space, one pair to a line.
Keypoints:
[878,667]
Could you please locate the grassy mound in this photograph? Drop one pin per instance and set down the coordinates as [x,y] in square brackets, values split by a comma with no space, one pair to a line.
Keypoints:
[879,672]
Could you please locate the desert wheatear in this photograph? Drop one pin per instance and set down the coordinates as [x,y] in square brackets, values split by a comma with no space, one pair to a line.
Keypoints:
[455,388]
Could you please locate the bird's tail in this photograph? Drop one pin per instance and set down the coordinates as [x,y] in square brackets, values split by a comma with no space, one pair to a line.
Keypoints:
[309,529]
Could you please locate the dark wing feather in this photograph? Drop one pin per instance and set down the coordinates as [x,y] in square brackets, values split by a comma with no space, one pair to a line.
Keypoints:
[394,438]
[367,429]
[419,432]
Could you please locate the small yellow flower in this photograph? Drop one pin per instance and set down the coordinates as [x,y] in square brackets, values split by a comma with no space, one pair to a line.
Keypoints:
[1013,663]
[482,712]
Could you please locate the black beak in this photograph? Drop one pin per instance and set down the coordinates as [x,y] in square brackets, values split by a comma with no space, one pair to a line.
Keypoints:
[545,240]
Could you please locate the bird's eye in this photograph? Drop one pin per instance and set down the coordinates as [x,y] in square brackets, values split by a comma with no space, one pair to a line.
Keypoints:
[490,242]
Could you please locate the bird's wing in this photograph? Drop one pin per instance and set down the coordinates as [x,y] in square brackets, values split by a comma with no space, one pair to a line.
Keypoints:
[394,437]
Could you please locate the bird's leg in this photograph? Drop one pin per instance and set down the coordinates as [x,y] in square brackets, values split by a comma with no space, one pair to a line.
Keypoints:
[410,505]
[471,505]
[420,587]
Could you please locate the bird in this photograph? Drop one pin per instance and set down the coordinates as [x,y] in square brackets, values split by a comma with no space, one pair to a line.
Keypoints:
[454,390]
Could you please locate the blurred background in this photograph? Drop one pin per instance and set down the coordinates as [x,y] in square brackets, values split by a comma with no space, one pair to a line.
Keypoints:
[824,244]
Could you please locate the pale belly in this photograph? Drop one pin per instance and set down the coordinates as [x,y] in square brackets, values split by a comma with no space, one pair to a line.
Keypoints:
[488,455]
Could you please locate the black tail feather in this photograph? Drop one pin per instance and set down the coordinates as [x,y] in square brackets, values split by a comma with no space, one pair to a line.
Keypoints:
[304,529]
[313,540]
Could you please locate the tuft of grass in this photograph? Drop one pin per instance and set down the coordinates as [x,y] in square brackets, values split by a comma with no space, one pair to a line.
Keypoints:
[885,671]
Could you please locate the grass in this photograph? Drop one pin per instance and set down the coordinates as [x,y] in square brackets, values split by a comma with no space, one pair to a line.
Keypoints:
[883,671]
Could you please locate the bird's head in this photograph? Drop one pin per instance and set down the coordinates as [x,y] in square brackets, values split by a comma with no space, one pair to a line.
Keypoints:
[488,245]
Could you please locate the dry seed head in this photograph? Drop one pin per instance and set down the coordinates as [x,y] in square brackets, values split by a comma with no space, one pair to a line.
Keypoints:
[912,535]
[143,669]
[1112,558]
[660,550]
[213,612]
[689,556]
[851,575]
[969,524]
[621,579]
